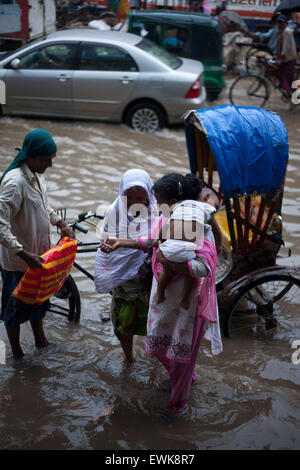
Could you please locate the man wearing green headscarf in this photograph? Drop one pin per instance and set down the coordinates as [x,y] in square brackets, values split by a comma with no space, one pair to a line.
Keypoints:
[25,219]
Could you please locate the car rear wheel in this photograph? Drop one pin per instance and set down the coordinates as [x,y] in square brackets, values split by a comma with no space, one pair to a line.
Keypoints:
[145,117]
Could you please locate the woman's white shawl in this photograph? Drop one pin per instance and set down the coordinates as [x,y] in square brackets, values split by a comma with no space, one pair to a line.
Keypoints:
[113,269]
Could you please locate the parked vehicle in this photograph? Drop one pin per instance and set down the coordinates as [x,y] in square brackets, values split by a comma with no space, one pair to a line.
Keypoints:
[193,35]
[242,153]
[110,76]
[25,20]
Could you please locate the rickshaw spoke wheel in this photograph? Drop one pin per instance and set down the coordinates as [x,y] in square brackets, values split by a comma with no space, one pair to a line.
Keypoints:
[249,90]
[263,305]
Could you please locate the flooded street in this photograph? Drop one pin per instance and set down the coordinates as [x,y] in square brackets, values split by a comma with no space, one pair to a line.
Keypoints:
[80,394]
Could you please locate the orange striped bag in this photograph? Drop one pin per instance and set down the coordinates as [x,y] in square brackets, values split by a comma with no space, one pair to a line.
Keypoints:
[38,284]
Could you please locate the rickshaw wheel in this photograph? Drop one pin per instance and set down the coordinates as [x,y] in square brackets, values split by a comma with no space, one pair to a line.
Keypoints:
[67,301]
[261,306]
[249,90]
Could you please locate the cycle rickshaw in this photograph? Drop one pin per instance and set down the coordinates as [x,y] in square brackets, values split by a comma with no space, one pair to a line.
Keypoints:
[242,154]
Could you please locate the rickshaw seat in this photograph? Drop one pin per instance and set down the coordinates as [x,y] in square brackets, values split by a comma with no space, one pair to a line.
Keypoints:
[221,219]
[249,240]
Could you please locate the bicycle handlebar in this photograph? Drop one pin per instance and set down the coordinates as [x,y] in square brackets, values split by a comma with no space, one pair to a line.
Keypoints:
[81,218]
[87,215]
[76,226]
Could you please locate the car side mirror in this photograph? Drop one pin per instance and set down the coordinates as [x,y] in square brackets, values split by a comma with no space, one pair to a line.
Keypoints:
[15,64]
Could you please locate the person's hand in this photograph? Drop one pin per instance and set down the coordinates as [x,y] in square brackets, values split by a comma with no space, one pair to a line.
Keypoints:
[65,230]
[219,249]
[31,259]
[109,245]
[155,243]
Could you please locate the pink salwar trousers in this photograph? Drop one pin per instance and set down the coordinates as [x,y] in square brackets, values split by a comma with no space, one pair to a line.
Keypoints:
[182,374]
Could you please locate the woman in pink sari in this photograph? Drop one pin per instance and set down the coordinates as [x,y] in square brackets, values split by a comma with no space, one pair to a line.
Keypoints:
[174,333]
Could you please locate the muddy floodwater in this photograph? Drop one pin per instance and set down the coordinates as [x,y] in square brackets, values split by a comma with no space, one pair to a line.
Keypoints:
[80,393]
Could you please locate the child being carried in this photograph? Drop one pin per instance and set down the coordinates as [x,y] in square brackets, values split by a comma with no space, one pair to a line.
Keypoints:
[188,226]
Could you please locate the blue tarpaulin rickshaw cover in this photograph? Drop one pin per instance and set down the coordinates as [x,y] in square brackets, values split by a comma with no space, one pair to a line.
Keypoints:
[249,145]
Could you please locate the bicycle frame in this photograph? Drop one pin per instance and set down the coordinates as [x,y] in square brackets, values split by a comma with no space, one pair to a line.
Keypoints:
[269,78]
[83,250]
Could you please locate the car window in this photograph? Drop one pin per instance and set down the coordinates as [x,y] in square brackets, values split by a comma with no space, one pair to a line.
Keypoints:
[159,53]
[176,40]
[6,54]
[55,56]
[106,58]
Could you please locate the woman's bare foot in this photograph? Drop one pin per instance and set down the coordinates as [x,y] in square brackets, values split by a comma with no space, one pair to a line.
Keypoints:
[127,345]
[129,360]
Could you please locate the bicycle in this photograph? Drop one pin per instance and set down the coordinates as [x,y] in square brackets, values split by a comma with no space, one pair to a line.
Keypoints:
[254,88]
[254,53]
[67,301]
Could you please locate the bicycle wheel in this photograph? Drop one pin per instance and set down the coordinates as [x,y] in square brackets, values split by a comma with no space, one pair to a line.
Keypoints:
[249,90]
[262,305]
[67,301]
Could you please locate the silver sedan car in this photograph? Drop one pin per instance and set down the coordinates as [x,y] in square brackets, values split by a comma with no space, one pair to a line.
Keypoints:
[110,76]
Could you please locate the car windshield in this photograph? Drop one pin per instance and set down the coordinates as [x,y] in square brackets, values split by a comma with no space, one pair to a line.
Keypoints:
[159,53]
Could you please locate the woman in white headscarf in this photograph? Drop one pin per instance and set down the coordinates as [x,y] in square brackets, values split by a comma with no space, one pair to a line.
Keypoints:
[129,216]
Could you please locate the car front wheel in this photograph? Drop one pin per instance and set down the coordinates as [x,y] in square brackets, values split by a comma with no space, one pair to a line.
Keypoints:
[145,117]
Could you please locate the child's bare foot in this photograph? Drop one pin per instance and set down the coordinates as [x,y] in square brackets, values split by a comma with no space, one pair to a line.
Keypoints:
[158,299]
[184,303]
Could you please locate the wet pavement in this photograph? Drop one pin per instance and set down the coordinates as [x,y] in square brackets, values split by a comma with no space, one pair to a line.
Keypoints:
[79,393]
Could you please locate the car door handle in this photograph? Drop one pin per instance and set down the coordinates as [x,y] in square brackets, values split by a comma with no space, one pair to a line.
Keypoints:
[127,80]
[63,77]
